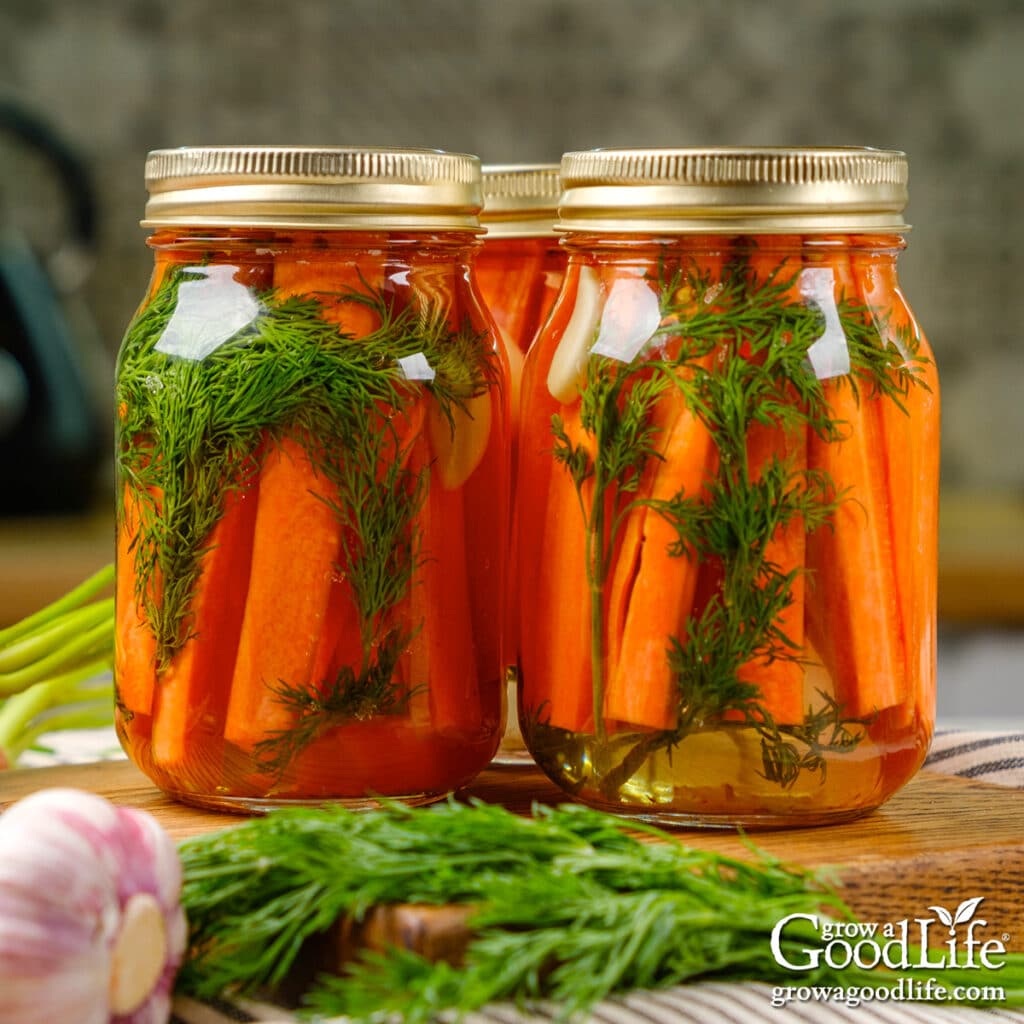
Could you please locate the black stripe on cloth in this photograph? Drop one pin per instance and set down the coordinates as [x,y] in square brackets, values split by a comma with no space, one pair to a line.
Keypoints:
[966,748]
[1005,765]
[998,1013]
[612,1012]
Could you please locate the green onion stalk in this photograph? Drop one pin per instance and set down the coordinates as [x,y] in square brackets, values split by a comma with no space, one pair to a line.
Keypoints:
[55,668]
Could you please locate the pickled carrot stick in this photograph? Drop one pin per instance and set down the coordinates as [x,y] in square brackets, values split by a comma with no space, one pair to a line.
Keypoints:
[443,658]
[470,459]
[295,547]
[330,276]
[509,275]
[781,679]
[556,643]
[854,618]
[710,577]
[340,641]
[341,637]
[134,642]
[535,439]
[402,429]
[444,655]
[325,618]
[911,453]
[195,686]
[622,578]
[640,687]
[652,594]
[532,475]
[487,515]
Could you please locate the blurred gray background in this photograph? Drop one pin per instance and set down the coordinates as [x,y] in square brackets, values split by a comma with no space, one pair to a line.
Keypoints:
[517,80]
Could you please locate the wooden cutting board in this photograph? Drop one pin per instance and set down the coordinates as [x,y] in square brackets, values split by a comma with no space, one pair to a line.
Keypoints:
[939,841]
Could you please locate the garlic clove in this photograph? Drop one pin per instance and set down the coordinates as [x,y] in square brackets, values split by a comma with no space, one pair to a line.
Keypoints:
[569,364]
[139,954]
[459,444]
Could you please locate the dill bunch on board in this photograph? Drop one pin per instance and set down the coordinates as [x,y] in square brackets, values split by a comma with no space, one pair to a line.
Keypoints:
[568,905]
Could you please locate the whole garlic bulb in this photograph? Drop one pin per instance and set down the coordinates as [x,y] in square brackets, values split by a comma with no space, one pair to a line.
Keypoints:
[91,928]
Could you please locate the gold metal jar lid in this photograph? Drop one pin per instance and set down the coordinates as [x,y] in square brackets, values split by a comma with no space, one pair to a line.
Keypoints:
[733,190]
[343,188]
[520,200]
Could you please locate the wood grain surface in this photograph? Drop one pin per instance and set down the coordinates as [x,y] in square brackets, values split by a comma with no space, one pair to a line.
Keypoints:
[940,840]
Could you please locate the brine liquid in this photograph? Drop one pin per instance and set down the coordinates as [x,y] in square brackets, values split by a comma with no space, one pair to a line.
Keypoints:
[716,778]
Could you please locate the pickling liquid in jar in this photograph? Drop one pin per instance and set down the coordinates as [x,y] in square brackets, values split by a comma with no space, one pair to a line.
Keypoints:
[519,270]
[728,485]
[312,482]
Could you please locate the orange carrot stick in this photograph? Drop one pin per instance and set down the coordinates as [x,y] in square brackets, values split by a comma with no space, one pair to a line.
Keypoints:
[294,548]
[444,655]
[459,643]
[341,636]
[781,679]
[508,273]
[911,452]
[195,686]
[297,536]
[640,684]
[535,442]
[134,642]
[555,612]
[340,641]
[853,617]
[330,276]
[652,594]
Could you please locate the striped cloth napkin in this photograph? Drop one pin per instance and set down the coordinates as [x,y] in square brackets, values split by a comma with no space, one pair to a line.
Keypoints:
[996,758]
[991,757]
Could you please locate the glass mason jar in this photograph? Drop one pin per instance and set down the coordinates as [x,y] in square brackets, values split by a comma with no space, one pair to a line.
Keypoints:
[520,266]
[312,480]
[728,485]
[519,270]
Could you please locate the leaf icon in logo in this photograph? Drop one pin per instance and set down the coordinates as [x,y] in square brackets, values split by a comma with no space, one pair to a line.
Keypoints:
[943,915]
[966,910]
